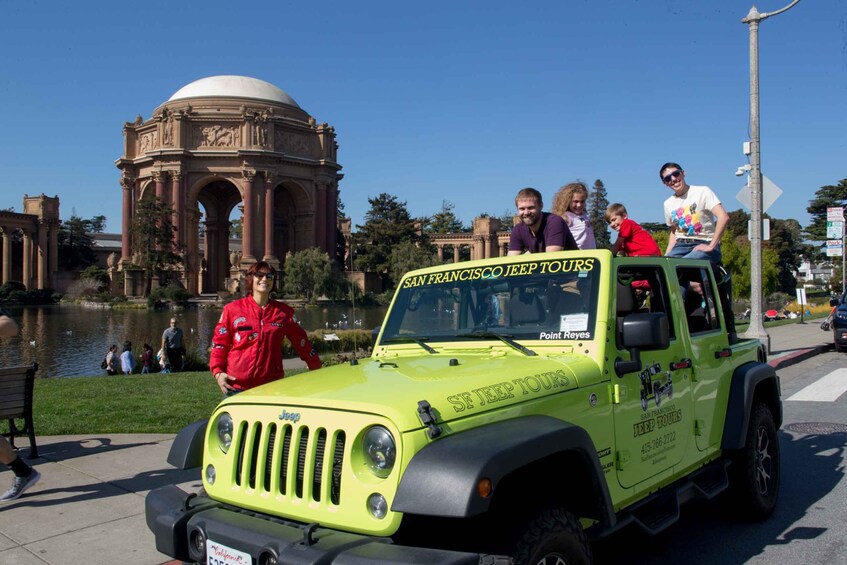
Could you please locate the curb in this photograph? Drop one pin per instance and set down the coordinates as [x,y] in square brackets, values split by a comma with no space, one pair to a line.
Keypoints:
[801,355]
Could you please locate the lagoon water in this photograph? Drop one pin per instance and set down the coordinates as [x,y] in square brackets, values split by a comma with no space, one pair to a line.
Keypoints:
[71,340]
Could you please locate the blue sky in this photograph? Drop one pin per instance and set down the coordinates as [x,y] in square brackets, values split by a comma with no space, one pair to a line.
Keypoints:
[465,102]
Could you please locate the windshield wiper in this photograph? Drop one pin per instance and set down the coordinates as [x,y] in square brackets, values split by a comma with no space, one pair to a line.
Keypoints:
[505,338]
[418,340]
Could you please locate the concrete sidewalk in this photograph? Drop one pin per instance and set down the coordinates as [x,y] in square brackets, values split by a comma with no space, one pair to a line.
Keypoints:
[89,505]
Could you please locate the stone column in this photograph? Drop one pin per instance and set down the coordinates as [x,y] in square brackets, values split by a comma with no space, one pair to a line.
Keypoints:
[127,184]
[249,211]
[7,255]
[178,212]
[440,248]
[320,215]
[456,253]
[27,270]
[41,255]
[159,178]
[270,252]
[331,218]
[54,252]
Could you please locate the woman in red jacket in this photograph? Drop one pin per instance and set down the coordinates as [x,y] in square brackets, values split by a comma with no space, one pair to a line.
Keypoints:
[247,343]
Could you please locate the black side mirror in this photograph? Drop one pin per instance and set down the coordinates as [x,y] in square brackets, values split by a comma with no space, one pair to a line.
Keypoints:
[833,302]
[647,331]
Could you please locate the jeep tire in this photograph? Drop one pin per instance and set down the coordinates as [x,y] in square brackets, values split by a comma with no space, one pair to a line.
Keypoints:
[554,537]
[755,470]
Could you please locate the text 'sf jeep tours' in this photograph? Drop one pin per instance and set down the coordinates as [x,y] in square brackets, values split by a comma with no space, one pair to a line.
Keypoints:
[513,410]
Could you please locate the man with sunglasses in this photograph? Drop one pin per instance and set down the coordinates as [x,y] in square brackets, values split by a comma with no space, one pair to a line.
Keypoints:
[695,216]
[697,221]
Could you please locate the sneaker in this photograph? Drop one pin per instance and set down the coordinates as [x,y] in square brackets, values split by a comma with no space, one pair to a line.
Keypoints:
[20,485]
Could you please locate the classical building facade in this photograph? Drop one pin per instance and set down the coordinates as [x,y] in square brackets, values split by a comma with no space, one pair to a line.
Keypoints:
[35,260]
[222,142]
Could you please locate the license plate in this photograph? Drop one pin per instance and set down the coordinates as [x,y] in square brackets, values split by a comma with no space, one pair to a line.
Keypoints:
[219,554]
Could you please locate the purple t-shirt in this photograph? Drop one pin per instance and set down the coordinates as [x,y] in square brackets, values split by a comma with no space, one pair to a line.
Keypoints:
[553,231]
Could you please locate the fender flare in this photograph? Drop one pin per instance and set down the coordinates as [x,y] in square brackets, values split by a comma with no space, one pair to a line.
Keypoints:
[187,449]
[746,379]
[441,479]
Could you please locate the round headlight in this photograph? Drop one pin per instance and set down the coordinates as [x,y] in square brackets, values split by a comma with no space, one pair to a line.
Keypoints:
[224,428]
[380,450]
[377,506]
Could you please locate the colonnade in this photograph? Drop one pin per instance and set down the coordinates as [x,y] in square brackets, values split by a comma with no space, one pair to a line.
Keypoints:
[37,231]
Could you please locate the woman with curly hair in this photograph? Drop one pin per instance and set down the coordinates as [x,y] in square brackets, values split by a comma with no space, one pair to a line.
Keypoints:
[569,203]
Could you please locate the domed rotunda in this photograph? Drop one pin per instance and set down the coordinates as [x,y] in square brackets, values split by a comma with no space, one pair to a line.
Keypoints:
[219,143]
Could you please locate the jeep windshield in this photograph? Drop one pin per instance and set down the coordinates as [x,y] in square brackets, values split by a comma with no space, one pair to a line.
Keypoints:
[538,299]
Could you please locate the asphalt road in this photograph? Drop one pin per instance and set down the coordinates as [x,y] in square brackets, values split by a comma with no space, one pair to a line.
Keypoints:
[810,524]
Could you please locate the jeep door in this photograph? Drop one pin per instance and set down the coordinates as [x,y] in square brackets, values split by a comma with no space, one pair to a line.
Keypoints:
[652,406]
[709,351]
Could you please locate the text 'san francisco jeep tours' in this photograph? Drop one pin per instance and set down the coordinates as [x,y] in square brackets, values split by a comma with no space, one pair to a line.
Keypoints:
[513,410]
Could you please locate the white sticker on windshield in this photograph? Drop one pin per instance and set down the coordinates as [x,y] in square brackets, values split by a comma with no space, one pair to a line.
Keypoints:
[573,322]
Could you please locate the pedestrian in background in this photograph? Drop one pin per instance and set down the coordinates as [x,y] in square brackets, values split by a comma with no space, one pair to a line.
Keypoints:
[25,476]
[147,359]
[172,347]
[127,359]
[111,360]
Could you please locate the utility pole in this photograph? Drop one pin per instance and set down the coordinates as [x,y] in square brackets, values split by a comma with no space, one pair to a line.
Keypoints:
[757,328]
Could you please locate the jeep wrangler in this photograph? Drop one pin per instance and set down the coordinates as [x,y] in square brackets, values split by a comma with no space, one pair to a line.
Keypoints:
[514,409]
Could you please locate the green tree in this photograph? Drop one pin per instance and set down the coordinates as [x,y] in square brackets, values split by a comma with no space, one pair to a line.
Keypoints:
[387,224]
[737,224]
[736,259]
[76,248]
[654,227]
[407,256]
[825,197]
[236,228]
[786,242]
[598,201]
[153,234]
[307,273]
[444,221]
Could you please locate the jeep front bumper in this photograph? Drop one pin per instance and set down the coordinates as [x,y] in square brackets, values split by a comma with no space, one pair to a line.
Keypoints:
[182,522]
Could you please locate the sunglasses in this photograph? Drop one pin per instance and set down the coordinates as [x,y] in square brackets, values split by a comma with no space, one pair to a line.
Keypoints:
[670,176]
[268,276]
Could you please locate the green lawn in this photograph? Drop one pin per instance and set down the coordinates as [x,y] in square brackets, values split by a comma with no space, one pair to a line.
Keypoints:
[158,403]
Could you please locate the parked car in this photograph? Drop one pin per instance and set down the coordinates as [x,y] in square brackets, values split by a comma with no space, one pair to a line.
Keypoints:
[839,322]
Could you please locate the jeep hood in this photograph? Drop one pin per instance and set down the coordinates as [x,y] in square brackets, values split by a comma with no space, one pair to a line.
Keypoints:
[454,385]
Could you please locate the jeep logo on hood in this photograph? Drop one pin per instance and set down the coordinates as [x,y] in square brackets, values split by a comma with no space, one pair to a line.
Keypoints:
[293,417]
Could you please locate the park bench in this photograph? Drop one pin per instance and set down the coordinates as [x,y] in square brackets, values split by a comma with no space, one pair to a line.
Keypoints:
[16,386]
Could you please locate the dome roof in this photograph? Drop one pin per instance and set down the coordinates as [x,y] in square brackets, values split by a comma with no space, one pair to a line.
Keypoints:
[231,86]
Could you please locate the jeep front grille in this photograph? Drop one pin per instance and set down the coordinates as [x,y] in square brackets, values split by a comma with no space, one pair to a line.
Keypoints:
[290,460]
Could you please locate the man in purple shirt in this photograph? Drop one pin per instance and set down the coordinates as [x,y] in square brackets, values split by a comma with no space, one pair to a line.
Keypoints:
[538,231]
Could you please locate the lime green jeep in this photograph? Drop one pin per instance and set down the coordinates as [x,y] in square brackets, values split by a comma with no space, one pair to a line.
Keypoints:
[513,410]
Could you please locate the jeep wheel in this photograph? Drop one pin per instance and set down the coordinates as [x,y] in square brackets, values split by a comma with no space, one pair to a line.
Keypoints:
[838,347]
[755,470]
[555,537]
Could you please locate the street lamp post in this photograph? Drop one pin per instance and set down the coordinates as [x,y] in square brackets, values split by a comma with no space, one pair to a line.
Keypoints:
[756,329]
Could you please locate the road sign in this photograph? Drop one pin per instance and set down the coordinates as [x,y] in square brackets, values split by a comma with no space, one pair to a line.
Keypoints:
[834,248]
[834,230]
[770,192]
[835,214]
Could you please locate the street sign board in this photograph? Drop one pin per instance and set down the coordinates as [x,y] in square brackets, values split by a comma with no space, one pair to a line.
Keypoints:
[835,214]
[770,192]
[834,230]
[834,248]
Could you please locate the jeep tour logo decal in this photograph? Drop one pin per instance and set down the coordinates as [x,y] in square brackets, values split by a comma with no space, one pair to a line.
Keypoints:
[505,390]
[502,271]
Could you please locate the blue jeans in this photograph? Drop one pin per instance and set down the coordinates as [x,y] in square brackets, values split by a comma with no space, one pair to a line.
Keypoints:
[685,248]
